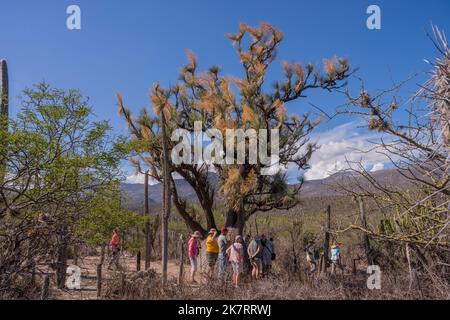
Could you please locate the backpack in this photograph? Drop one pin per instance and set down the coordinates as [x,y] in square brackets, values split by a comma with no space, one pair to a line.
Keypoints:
[273,255]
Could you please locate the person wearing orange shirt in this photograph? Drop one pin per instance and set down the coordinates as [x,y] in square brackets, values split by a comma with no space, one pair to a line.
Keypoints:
[115,248]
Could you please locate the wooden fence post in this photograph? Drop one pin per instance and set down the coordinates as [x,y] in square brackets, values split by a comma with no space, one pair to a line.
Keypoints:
[76,254]
[326,242]
[354,266]
[99,280]
[138,261]
[102,254]
[333,269]
[321,262]
[45,286]
[33,274]
[365,237]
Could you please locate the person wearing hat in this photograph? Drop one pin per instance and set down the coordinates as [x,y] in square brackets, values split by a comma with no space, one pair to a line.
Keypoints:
[193,252]
[212,250]
[236,255]
[223,246]
[267,255]
[311,257]
[336,257]
[254,250]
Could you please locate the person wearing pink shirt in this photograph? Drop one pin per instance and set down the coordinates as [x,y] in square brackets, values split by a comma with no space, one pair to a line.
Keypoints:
[193,252]
[235,254]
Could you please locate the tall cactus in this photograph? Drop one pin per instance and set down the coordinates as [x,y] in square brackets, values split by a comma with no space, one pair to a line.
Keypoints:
[3,115]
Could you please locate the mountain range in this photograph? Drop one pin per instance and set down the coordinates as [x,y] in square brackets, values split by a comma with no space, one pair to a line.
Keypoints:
[328,187]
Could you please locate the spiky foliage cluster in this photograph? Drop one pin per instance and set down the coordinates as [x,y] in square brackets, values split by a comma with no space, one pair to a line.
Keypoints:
[437,89]
[226,102]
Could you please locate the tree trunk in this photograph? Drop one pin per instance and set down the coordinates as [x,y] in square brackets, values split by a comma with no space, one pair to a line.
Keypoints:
[236,220]
[188,219]
[61,267]
[4,99]
[147,224]
[231,220]
[61,261]
[166,202]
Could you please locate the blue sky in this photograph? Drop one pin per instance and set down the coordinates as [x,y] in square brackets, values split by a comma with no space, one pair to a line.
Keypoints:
[126,46]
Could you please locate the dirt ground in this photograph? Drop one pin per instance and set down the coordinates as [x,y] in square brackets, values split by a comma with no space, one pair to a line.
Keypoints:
[88,267]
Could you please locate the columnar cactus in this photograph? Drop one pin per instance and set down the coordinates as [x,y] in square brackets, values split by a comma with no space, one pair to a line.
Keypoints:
[3,114]
[4,88]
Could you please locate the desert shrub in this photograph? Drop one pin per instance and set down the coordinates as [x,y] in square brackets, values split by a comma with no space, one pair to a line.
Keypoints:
[137,285]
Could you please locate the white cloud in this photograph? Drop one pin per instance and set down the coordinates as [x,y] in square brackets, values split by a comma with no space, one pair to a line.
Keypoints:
[377,167]
[140,179]
[340,146]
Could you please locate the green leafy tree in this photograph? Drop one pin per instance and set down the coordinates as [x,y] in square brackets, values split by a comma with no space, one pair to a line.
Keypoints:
[105,214]
[58,160]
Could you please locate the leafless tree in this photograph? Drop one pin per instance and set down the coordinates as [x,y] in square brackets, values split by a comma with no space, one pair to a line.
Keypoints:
[414,207]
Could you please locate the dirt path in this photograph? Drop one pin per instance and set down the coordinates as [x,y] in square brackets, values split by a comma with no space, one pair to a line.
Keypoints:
[88,267]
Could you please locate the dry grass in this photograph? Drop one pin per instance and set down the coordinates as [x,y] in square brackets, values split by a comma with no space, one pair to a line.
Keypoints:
[147,286]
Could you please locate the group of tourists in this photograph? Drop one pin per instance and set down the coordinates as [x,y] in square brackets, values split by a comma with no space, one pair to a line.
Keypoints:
[254,256]
[242,253]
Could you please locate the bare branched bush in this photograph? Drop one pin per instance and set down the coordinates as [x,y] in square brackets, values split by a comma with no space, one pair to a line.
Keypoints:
[413,209]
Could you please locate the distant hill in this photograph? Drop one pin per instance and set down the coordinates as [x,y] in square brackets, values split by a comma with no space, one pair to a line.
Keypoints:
[330,186]
[313,189]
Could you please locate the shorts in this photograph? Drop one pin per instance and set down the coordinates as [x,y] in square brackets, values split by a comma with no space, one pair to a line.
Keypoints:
[223,260]
[238,267]
[256,262]
[256,259]
[211,257]
[194,263]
